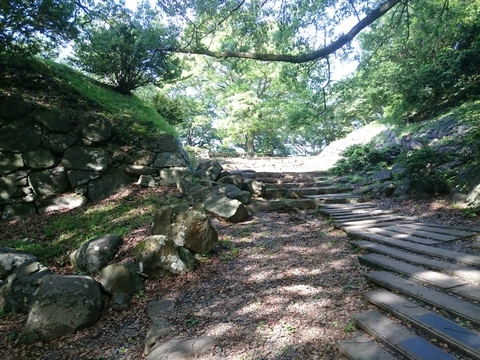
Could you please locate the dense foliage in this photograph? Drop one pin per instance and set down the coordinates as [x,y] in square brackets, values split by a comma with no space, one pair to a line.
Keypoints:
[122,47]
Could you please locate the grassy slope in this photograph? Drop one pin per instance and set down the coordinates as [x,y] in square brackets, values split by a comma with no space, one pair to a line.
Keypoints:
[51,85]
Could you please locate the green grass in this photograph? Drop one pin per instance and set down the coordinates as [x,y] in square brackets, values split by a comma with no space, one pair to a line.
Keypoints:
[61,233]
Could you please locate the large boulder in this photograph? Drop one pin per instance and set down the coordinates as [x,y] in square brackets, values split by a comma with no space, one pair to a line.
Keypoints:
[10,162]
[229,209]
[49,182]
[8,189]
[175,349]
[39,159]
[208,170]
[121,278]
[10,259]
[53,120]
[186,226]
[157,256]
[58,142]
[96,253]
[160,328]
[64,202]
[61,306]
[17,291]
[195,193]
[82,158]
[107,185]
[95,127]
[233,192]
[20,137]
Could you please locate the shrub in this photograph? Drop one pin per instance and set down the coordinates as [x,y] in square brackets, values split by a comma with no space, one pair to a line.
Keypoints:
[423,172]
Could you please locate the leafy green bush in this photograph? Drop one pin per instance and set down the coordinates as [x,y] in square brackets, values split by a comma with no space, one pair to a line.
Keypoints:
[363,158]
[423,173]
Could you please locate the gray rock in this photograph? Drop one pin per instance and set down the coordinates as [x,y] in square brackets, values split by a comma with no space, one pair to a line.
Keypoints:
[82,158]
[96,128]
[257,188]
[107,185]
[179,350]
[137,170]
[144,157]
[121,301]
[233,192]
[20,137]
[40,159]
[146,181]
[96,253]
[64,202]
[80,177]
[10,259]
[236,180]
[157,256]
[17,291]
[157,307]
[53,120]
[49,182]
[14,109]
[208,170]
[18,211]
[382,175]
[10,163]
[229,209]
[61,306]
[8,189]
[159,329]
[170,176]
[58,142]
[169,159]
[187,227]
[121,278]
[271,205]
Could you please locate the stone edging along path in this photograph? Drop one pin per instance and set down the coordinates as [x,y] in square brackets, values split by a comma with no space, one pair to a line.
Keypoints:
[415,273]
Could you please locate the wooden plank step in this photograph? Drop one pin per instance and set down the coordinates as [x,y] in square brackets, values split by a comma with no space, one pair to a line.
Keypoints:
[442,230]
[347,207]
[458,307]
[419,248]
[420,233]
[351,211]
[461,271]
[386,223]
[331,196]
[395,235]
[371,222]
[362,348]
[457,337]
[398,337]
[360,216]
[359,212]
[428,276]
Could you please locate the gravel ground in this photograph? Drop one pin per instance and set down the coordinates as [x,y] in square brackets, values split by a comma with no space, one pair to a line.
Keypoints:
[278,286]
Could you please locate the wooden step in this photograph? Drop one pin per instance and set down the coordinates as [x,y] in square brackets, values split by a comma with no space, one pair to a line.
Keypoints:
[439,280]
[347,207]
[362,348]
[419,248]
[398,337]
[341,198]
[372,222]
[434,228]
[459,338]
[396,235]
[451,304]
[355,216]
[458,270]
[421,233]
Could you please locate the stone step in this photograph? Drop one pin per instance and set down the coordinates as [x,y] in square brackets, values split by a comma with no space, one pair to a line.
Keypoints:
[457,337]
[398,337]
[362,348]
[301,192]
[449,268]
[458,307]
[455,256]
[289,185]
[341,198]
[437,279]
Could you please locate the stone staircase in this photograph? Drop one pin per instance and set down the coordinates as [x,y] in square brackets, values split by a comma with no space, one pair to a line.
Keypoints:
[425,302]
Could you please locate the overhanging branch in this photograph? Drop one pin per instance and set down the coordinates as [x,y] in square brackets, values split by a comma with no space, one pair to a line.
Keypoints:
[302,58]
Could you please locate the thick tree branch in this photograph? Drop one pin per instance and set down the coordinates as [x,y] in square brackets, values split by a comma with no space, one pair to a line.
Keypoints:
[302,58]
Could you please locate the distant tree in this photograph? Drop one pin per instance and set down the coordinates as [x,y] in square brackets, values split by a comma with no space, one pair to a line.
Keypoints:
[121,47]
[31,26]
